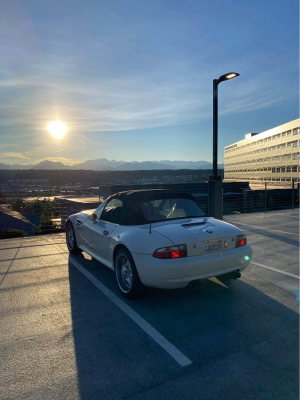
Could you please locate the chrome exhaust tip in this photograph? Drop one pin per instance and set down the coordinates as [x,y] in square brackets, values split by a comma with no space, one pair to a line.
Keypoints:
[236,275]
[194,284]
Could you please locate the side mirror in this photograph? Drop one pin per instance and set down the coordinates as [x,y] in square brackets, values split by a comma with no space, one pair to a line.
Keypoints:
[92,217]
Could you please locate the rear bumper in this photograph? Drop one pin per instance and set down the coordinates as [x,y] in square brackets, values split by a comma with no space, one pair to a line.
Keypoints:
[177,273]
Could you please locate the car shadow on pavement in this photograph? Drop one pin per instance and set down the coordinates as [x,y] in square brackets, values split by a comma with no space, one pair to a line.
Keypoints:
[116,359]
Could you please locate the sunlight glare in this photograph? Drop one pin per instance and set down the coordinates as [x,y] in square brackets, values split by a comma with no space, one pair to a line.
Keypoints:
[57,129]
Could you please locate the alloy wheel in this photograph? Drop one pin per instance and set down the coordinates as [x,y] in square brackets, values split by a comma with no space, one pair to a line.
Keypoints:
[124,273]
[70,237]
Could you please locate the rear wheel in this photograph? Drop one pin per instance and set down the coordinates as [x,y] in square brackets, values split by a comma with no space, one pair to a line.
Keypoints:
[71,239]
[127,276]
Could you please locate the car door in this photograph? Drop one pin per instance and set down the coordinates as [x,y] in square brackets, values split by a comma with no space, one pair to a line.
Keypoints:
[88,232]
[100,230]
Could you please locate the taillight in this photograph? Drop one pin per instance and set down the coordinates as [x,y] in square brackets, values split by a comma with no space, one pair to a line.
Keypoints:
[241,240]
[171,252]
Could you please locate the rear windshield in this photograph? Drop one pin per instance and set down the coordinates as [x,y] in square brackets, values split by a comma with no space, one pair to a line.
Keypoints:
[166,209]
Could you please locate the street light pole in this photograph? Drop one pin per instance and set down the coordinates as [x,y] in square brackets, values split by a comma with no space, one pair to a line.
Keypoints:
[215,127]
[215,196]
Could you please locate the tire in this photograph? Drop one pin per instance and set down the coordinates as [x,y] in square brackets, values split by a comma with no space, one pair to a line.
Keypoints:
[127,277]
[71,239]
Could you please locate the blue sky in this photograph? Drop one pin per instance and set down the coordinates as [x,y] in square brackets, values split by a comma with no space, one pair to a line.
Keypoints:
[133,79]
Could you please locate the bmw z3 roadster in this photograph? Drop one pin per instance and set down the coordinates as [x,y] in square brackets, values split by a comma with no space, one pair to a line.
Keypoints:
[157,238]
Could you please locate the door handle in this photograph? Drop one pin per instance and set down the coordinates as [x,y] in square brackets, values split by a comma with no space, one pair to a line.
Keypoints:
[105,233]
[78,222]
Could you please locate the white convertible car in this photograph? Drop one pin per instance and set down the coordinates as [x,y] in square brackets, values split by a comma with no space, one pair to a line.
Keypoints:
[157,238]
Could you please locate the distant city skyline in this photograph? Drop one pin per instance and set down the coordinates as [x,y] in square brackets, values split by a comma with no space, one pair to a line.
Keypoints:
[133,80]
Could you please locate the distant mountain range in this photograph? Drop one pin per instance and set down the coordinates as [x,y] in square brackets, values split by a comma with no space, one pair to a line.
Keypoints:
[103,164]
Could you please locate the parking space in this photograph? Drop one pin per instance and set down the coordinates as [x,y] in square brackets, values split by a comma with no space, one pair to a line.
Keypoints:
[67,333]
[274,238]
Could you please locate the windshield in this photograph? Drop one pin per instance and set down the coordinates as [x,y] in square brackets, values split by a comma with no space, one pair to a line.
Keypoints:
[166,209]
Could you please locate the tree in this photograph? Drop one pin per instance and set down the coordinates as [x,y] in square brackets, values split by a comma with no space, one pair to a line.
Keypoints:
[18,205]
[46,225]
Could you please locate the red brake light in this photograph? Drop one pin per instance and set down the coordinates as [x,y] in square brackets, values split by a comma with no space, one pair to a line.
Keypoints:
[241,240]
[171,252]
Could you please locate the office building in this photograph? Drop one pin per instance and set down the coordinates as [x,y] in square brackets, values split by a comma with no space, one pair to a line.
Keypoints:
[272,155]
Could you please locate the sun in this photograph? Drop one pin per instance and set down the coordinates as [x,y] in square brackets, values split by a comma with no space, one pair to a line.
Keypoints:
[58,129]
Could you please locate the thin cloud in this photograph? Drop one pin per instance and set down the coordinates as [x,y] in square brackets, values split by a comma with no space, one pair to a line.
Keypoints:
[114,105]
[14,155]
[64,160]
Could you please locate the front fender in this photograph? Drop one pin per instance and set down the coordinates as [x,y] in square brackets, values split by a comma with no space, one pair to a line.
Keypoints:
[72,218]
[81,216]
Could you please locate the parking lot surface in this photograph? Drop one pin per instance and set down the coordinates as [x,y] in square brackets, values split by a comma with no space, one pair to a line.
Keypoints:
[67,333]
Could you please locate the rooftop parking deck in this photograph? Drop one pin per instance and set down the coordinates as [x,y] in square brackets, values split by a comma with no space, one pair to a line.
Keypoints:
[67,333]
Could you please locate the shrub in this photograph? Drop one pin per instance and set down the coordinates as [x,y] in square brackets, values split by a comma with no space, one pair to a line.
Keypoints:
[12,233]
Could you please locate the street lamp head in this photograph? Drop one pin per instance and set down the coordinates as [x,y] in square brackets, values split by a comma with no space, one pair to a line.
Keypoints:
[226,77]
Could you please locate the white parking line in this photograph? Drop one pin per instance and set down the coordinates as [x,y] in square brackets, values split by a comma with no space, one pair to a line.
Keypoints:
[276,270]
[152,332]
[265,229]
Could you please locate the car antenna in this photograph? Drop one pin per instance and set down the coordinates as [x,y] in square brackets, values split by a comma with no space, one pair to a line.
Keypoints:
[151,211]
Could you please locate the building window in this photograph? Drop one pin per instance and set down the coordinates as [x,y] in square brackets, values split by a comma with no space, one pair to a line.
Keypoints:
[295,143]
[289,133]
[294,168]
[288,169]
[283,134]
[295,156]
[278,169]
[296,131]
[282,169]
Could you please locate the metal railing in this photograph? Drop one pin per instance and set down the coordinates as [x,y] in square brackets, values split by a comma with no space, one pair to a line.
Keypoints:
[44,215]
[262,198]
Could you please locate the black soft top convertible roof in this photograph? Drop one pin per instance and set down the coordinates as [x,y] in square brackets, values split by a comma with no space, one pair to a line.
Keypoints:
[132,199]
[140,195]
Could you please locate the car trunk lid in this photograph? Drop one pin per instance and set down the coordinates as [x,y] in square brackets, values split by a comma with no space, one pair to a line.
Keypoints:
[201,235]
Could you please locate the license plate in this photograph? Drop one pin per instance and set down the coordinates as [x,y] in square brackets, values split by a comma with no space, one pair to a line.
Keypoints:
[214,245]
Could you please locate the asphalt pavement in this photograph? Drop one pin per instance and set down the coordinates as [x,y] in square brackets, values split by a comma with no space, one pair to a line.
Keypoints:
[67,333]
